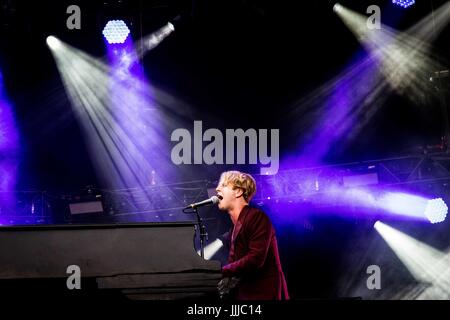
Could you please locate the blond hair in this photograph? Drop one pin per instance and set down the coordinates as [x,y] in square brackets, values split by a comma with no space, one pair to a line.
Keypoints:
[240,180]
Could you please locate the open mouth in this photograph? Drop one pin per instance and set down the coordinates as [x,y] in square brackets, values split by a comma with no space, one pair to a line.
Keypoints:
[219,196]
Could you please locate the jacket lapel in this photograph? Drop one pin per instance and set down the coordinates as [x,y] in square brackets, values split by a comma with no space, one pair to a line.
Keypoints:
[239,223]
[235,232]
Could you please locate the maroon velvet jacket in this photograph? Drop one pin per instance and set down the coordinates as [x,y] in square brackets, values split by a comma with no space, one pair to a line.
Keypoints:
[254,258]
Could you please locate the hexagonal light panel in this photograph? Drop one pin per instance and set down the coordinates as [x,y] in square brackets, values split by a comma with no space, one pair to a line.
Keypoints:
[116,31]
[436,210]
[404,3]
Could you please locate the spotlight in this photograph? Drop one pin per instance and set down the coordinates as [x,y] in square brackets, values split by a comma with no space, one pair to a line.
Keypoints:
[433,210]
[53,42]
[436,210]
[116,31]
[428,265]
[211,249]
[404,3]
[154,39]
[119,116]
[337,7]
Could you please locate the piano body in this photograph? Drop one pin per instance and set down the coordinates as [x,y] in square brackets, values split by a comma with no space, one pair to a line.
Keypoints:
[145,261]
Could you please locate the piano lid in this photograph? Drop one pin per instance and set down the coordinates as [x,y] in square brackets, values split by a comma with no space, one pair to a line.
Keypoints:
[100,250]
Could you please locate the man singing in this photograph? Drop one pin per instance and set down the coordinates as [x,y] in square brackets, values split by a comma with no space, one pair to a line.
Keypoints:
[253,257]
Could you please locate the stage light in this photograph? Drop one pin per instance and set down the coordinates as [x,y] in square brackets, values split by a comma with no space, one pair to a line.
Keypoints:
[426,264]
[433,210]
[116,31]
[404,3]
[122,117]
[436,210]
[151,41]
[376,199]
[211,249]
[404,58]
[337,7]
[393,61]
[53,42]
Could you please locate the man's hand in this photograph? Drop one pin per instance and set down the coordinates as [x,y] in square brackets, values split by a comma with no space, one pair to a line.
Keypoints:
[226,286]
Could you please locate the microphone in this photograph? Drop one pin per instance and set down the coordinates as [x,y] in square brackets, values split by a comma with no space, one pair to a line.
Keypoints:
[212,200]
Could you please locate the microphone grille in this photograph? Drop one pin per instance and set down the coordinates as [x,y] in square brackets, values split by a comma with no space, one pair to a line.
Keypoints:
[215,199]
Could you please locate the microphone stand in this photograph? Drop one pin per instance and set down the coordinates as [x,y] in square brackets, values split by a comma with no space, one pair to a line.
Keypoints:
[201,226]
[203,233]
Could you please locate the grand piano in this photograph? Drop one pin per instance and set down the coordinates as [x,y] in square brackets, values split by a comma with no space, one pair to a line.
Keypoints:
[145,261]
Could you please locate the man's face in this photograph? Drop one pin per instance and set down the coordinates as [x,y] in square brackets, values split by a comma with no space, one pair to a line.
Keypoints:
[227,193]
